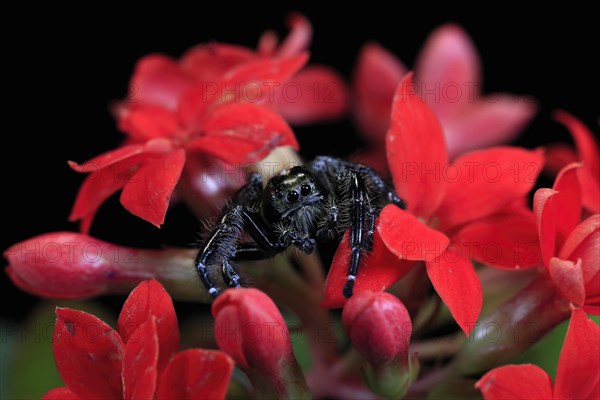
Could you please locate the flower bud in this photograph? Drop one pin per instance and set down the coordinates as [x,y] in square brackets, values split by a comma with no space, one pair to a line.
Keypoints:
[250,328]
[73,265]
[379,327]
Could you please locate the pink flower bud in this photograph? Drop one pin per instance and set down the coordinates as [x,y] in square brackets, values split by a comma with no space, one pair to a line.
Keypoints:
[73,265]
[250,328]
[379,327]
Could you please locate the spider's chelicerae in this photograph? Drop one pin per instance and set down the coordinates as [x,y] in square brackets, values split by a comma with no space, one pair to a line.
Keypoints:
[298,207]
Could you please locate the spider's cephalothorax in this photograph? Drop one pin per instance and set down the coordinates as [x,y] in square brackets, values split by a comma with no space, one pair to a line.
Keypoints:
[298,207]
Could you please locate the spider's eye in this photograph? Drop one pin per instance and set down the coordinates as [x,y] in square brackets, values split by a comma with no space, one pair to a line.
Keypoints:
[279,194]
[293,196]
[305,190]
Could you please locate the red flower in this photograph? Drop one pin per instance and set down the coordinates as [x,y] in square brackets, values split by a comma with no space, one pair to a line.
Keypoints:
[443,198]
[138,361]
[569,248]
[228,129]
[216,103]
[316,92]
[448,78]
[249,327]
[577,376]
[587,152]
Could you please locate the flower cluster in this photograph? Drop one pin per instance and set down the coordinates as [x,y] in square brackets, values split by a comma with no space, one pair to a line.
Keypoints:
[137,362]
[481,247]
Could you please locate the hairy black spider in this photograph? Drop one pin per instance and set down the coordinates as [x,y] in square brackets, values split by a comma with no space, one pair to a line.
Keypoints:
[299,206]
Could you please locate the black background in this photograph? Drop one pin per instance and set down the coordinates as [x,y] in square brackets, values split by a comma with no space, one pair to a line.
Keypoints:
[63,71]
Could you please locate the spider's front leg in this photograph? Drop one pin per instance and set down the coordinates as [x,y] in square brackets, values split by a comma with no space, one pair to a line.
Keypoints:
[362,227]
[220,247]
[222,244]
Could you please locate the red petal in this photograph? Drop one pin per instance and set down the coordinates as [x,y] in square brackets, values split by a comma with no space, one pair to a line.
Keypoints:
[593,309]
[140,362]
[589,153]
[379,270]
[149,190]
[144,122]
[545,213]
[567,202]
[376,78]
[88,355]
[408,238]
[587,148]
[507,240]
[110,172]
[299,37]
[578,372]
[579,235]
[196,374]
[272,71]
[159,80]
[210,62]
[557,156]
[267,44]
[590,190]
[448,58]
[493,120]
[526,382]
[252,82]
[484,182]
[243,133]
[315,94]
[61,393]
[416,151]
[568,277]
[109,158]
[584,244]
[150,300]
[454,279]
[98,187]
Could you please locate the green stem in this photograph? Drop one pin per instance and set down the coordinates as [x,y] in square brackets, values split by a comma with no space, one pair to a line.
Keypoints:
[438,348]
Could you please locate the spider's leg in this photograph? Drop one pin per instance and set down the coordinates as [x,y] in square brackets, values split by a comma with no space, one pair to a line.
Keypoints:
[327,168]
[389,193]
[231,277]
[220,245]
[361,215]
[251,192]
[329,228]
[262,235]
[251,251]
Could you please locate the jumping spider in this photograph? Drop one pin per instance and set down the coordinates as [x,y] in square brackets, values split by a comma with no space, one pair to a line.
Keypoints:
[298,207]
